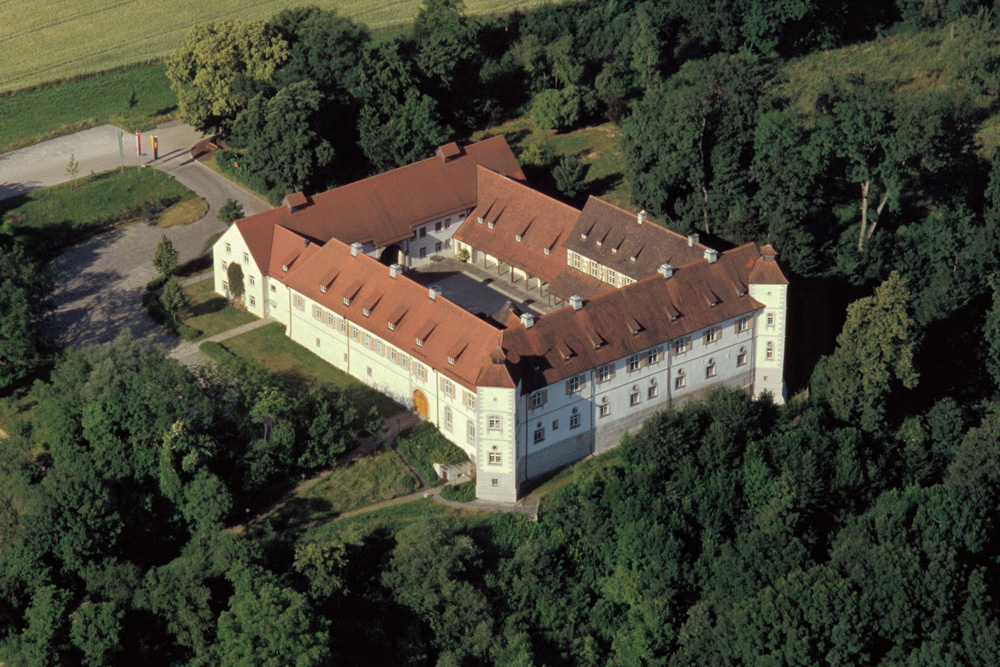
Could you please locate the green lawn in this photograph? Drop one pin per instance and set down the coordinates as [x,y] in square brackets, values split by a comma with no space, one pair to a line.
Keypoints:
[365,481]
[270,347]
[390,518]
[209,312]
[53,218]
[136,99]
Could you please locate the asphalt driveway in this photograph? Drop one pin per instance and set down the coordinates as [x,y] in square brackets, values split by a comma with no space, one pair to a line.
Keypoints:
[99,283]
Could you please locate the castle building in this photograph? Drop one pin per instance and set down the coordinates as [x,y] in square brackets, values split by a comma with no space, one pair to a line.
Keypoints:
[649,318]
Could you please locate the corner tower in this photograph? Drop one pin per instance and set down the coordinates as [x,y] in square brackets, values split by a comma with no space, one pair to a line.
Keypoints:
[769,286]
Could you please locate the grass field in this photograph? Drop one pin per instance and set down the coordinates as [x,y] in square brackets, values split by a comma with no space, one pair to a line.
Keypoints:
[136,99]
[365,481]
[64,38]
[50,219]
[423,446]
[210,313]
[270,347]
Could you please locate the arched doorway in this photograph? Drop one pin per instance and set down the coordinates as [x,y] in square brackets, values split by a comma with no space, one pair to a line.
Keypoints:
[420,403]
[391,254]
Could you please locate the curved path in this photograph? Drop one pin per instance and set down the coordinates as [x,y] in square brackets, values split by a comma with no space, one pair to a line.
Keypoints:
[99,283]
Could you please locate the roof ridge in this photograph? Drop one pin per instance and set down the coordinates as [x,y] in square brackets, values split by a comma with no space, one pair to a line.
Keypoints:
[654,225]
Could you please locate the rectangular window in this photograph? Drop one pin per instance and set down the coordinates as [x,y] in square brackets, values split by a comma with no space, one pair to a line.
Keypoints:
[317,342]
[253,281]
[713,335]
[368,341]
[229,248]
[741,359]
[612,277]
[369,371]
[392,354]
[682,345]
[437,226]
[651,392]
[604,373]
[329,320]
[574,420]
[253,301]
[680,382]
[769,353]
[653,356]
[495,482]
[633,398]
[471,433]
[555,424]
[576,261]
[423,232]
[710,370]
[537,400]
[342,325]
[448,387]
[633,363]
[423,253]
[594,268]
[770,319]
[448,418]
[573,384]
[404,361]
[495,459]
[470,401]
[274,290]
[354,333]
[495,423]
[539,435]
[604,410]
[300,302]
[743,324]
[225,286]
[421,373]
[378,346]
[318,312]
[437,247]
[447,223]
[246,258]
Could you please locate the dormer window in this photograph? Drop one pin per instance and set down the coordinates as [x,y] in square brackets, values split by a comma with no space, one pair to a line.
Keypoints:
[451,360]
[517,237]
[490,224]
[284,267]
[480,219]
[366,312]
[614,250]
[546,251]
[322,288]
[420,342]
[632,258]
[583,236]
[347,301]
[598,243]
[392,326]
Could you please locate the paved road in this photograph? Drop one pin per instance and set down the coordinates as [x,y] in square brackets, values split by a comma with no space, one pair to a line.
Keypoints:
[100,282]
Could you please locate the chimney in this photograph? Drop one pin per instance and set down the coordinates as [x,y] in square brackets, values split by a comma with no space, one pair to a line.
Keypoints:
[355,249]
[666,270]
[692,239]
[576,302]
[642,217]
[528,320]
[711,255]
[434,292]
[395,270]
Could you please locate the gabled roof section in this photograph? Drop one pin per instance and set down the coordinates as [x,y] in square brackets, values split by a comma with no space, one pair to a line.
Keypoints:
[571,282]
[384,209]
[257,233]
[613,237]
[527,227]
[407,305]
[288,249]
[662,308]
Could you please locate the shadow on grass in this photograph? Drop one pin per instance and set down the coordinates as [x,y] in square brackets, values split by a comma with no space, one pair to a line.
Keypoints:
[213,305]
[300,510]
[194,266]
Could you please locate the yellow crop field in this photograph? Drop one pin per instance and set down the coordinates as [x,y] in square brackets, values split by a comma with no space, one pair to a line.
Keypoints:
[41,41]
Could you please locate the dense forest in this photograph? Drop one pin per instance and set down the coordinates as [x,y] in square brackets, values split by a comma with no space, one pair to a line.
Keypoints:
[856,525]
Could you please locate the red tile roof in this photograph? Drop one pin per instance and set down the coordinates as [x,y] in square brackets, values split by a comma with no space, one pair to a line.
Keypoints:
[766,270]
[571,282]
[610,319]
[447,330]
[384,208]
[615,239]
[258,233]
[525,222]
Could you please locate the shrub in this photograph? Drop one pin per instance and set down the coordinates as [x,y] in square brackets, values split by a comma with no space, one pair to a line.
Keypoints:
[156,283]
[556,109]
[568,175]
[231,211]
[236,287]
[423,446]
[151,302]
[462,493]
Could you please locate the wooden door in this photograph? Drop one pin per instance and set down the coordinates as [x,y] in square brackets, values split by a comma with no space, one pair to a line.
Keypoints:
[420,403]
